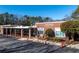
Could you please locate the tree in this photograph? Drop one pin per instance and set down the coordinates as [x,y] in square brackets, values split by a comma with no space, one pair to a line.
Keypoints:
[26,23]
[11,19]
[47,19]
[66,18]
[70,28]
[7,18]
[50,33]
[1,20]
[33,19]
[75,14]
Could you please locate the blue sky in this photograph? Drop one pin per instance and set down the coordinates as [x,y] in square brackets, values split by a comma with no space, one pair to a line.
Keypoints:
[53,11]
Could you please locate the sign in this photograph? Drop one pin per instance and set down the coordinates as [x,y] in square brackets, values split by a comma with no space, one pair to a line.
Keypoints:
[40,29]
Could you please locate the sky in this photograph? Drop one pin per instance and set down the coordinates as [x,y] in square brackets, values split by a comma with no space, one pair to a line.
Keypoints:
[56,12]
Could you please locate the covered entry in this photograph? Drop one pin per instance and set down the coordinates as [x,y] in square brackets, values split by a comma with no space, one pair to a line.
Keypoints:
[20,31]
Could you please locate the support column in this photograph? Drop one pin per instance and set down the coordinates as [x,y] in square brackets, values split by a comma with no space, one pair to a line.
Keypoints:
[10,31]
[6,32]
[15,32]
[21,32]
[36,33]
[29,33]
[2,29]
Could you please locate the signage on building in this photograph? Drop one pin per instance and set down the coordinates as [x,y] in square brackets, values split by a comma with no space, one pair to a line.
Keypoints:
[40,29]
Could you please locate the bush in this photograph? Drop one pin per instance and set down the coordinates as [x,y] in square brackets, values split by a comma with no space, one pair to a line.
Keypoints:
[70,28]
[57,39]
[49,33]
[48,38]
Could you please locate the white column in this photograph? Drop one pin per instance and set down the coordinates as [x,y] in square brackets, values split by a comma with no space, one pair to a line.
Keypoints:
[15,32]
[2,29]
[6,31]
[29,33]
[21,32]
[10,31]
[36,33]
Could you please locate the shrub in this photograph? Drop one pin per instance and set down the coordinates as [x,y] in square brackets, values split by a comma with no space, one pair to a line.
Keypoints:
[70,28]
[49,33]
[57,39]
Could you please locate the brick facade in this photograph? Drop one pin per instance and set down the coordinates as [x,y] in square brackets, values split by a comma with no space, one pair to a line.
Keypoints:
[51,25]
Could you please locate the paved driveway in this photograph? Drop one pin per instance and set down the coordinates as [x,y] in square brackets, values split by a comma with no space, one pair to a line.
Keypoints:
[12,45]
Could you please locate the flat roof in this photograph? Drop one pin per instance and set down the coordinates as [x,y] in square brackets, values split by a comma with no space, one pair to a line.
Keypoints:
[50,22]
[19,27]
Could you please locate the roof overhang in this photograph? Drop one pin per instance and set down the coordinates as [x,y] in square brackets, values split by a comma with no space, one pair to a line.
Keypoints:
[19,27]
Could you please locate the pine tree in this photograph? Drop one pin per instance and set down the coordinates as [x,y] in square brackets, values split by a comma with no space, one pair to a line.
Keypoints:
[75,14]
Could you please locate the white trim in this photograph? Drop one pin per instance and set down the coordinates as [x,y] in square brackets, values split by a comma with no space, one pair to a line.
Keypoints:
[50,22]
[19,27]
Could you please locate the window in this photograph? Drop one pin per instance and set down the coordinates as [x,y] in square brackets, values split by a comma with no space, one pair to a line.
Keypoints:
[41,30]
[59,34]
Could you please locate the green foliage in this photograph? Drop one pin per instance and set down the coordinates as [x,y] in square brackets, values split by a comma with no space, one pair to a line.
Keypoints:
[47,19]
[50,33]
[7,19]
[26,23]
[70,26]
[1,20]
[57,39]
[75,14]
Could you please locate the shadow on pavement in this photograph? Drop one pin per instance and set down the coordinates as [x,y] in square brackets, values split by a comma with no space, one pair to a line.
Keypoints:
[12,45]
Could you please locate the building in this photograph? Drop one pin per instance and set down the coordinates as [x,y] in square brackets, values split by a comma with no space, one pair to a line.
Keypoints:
[32,31]
[18,31]
[55,25]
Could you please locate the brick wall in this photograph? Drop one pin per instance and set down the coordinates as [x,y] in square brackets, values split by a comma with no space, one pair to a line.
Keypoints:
[47,25]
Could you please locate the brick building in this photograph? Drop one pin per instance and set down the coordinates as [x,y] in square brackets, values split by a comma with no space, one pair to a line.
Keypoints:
[42,26]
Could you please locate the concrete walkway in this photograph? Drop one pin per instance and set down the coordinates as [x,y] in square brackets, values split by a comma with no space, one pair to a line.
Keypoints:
[40,41]
[68,49]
